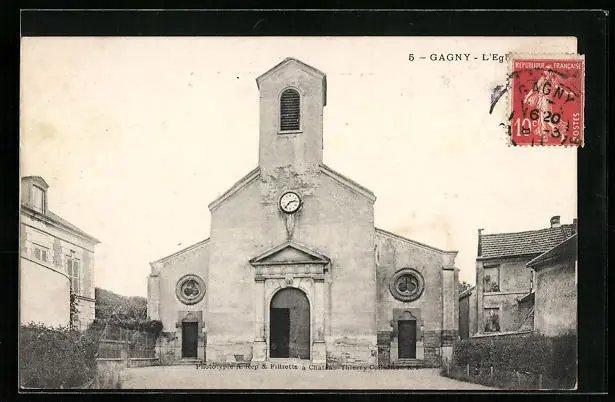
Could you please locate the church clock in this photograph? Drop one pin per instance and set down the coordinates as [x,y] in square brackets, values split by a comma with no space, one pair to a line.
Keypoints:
[290,202]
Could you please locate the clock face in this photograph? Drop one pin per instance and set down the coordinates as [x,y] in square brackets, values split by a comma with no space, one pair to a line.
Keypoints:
[290,202]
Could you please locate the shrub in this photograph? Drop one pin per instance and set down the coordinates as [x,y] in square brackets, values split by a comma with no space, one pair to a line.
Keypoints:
[108,377]
[563,365]
[56,357]
[554,358]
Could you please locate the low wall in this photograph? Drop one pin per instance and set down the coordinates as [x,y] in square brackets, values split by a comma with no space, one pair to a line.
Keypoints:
[501,335]
[143,362]
[122,363]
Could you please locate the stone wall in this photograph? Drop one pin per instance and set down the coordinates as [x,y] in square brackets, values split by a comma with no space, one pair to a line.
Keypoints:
[393,253]
[510,314]
[164,305]
[166,273]
[45,286]
[556,299]
[44,295]
[87,312]
[514,283]
[303,148]
[334,221]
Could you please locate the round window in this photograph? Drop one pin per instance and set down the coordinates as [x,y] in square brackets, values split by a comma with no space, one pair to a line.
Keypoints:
[407,285]
[190,289]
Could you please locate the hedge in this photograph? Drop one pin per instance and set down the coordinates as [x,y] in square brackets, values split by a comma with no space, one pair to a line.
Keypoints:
[554,357]
[153,327]
[56,357]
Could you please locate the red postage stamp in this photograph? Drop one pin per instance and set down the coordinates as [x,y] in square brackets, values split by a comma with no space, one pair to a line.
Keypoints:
[547,101]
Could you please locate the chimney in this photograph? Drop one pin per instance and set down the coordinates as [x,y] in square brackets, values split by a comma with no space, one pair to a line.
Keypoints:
[480,245]
[555,222]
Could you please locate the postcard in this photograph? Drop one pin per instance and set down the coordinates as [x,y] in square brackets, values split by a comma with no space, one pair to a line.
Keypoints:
[390,213]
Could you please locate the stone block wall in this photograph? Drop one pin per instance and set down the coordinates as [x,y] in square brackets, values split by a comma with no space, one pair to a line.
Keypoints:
[351,351]
[384,348]
[87,312]
[556,299]
[449,336]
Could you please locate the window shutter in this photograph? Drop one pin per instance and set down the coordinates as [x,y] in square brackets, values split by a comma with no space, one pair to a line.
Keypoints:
[289,110]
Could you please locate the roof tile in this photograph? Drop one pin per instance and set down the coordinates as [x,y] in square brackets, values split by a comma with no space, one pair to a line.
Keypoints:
[523,243]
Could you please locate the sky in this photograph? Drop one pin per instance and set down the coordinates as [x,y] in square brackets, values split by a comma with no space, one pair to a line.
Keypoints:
[136,136]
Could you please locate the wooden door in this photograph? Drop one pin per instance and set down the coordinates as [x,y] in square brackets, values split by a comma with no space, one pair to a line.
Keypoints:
[280,332]
[407,339]
[190,339]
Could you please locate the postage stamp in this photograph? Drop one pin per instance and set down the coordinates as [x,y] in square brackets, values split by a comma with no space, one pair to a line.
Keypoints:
[547,100]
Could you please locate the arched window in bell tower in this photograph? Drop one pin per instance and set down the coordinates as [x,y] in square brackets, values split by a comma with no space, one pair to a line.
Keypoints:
[290,112]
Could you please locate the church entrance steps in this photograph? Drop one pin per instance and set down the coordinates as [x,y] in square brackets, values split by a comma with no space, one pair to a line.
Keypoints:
[187,362]
[409,363]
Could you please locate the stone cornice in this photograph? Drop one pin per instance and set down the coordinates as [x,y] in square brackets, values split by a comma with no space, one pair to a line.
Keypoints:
[241,183]
[392,235]
[32,214]
[349,183]
[180,252]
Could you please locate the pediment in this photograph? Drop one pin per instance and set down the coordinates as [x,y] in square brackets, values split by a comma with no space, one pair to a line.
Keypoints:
[289,253]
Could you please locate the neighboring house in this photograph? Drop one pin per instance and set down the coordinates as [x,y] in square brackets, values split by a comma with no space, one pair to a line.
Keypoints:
[555,289]
[294,266]
[504,282]
[467,313]
[55,258]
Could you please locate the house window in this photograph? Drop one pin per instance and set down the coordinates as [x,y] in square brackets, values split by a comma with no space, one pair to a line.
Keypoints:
[74,273]
[289,110]
[40,253]
[38,198]
[491,279]
[492,319]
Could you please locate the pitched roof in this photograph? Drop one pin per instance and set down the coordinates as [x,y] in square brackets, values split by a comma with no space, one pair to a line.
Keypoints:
[38,179]
[239,184]
[567,248]
[414,242]
[306,67]
[523,243]
[353,185]
[180,252]
[58,220]
[68,225]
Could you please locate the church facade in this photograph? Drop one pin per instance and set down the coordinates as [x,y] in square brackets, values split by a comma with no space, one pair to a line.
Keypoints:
[294,267]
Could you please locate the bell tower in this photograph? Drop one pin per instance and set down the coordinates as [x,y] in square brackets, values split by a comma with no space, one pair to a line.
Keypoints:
[292,98]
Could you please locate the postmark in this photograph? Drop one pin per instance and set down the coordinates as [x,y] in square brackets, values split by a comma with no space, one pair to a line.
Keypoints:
[547,100]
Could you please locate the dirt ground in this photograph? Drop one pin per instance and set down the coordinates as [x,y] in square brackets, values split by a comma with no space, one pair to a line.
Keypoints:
[189,377]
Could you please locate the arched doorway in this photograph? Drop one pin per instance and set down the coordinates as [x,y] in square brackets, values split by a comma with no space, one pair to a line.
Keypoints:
[289,325]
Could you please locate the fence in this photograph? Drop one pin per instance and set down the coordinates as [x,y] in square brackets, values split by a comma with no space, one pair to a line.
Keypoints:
[492,376]
[118,342]
[120,348]
[518,361]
